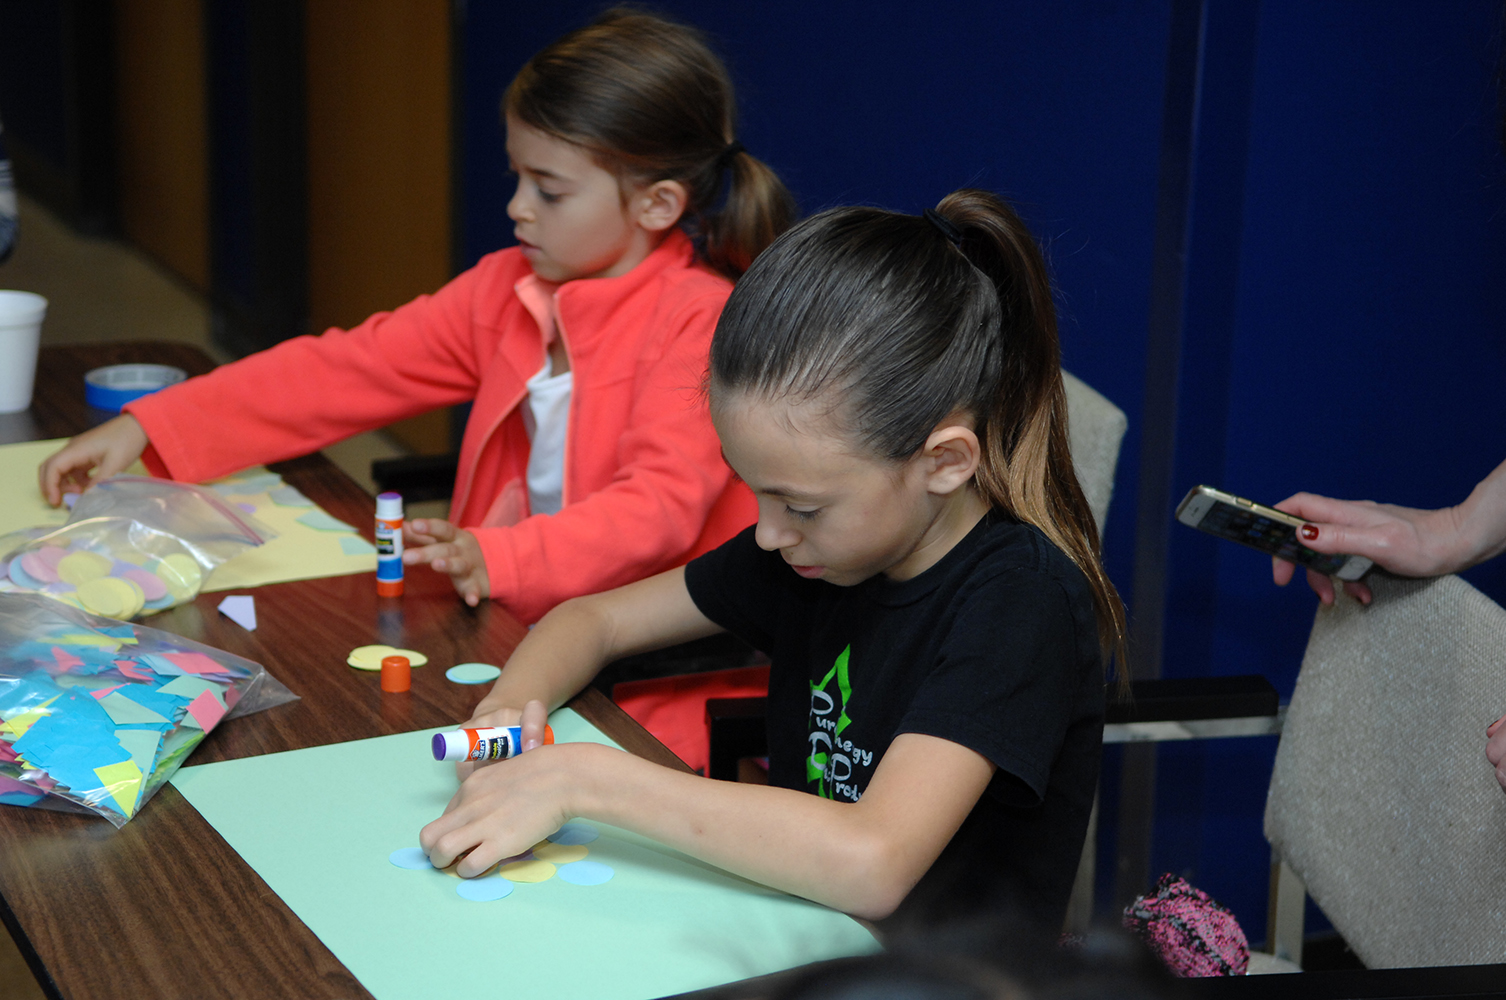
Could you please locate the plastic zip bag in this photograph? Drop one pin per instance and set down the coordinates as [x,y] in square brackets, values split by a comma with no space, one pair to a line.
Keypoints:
[96,715]
[131,544]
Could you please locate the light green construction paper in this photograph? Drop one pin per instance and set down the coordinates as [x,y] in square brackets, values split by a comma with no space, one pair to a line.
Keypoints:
[141,744]
[355,545]
[322,521]
[124,712]
[318,824]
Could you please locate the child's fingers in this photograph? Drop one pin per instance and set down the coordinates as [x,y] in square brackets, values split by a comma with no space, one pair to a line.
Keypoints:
[535,715]
[1491,729]
[1359,591]
[437,528]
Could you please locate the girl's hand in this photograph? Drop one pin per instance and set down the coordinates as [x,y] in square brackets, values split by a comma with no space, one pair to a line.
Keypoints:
[1495,749]
[533,718]
[507,807]
[449,550]
[106,450]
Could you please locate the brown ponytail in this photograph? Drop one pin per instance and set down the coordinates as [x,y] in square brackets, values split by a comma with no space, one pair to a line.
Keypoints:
[648,98]
[1027,461]
[912,320]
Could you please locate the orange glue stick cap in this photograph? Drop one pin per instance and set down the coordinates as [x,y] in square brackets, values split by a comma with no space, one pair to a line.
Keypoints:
[397,675]
[548,735]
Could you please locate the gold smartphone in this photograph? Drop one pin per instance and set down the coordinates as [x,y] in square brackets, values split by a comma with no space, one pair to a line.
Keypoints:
[1264,528]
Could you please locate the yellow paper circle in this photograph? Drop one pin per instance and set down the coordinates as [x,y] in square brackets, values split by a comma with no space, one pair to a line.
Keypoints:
[181,573]
[527,871]
[79,568]
[560,854]
[112,597]
[370,657]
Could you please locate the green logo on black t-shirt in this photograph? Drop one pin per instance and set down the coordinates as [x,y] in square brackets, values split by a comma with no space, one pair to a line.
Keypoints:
[832,758]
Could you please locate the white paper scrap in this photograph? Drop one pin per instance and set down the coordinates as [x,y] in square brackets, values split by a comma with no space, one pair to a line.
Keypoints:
[241,609]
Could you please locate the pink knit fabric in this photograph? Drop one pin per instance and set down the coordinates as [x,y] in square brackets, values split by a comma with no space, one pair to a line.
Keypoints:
[1188,931]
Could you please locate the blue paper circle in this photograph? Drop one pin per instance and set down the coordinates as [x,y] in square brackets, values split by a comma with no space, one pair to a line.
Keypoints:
[411,858]
[573,833]
[473,673]
[21,578]
[483,890]
[585,872]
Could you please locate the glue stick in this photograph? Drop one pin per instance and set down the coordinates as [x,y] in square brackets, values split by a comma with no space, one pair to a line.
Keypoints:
[482,744]
[389,544]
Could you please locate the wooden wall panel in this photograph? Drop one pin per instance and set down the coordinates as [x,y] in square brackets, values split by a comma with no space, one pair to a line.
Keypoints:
[161,132]
[378,165]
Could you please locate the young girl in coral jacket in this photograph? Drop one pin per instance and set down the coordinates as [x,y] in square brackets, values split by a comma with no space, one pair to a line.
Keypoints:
[589,459]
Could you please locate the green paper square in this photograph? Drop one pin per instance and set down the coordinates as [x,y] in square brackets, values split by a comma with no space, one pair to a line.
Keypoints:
[319,824]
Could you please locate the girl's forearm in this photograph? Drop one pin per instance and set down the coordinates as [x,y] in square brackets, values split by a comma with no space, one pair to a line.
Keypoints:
[799,843]
[555,660]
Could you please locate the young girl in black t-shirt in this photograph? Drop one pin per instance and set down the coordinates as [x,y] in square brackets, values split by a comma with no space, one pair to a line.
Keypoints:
[924,574]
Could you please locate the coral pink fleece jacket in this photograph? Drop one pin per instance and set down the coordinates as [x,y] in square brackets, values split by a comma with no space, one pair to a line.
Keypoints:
[645,487]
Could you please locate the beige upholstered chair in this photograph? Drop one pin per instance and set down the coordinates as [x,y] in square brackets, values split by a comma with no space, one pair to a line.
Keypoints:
[1095,428]
[1382,801]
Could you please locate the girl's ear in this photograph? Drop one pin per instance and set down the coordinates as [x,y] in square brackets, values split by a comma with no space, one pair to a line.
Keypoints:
[951,456]
[659,205]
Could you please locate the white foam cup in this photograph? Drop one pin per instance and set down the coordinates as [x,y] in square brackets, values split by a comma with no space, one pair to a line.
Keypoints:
[20,332]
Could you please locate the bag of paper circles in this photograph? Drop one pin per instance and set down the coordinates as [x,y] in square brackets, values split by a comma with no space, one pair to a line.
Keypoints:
[131,545]
[96,715]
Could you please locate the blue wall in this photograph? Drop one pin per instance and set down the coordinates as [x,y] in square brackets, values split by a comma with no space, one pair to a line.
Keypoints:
[1343,291]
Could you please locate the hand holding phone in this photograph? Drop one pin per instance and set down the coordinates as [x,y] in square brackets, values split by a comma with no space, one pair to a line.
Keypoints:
[1264,528]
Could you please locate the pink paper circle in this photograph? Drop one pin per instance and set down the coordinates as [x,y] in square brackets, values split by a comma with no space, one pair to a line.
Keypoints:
[37,567]
[152,587]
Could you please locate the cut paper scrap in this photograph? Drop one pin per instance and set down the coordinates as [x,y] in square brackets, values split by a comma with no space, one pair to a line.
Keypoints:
[246,485]
[141,744]
[191,687]
[123,711]
[241,609]
[559,854]
[205,711]
[122,782]
[473,673]
[320,521]
[484,890]
[585,873]
[532,870]
[355,545]
[411,858]
[195,663]
[288,496]
[311,826]
[370,657]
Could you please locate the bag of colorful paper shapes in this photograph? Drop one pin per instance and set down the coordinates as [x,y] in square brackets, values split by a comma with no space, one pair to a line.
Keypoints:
[131,544]
[96,715]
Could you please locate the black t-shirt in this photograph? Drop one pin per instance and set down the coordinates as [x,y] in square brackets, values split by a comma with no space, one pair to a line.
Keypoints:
[995,648]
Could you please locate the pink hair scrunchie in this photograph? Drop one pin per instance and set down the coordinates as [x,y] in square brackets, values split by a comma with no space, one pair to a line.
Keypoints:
[1189,932]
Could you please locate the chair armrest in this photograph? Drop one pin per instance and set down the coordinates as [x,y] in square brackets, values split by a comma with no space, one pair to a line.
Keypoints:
[737,731]
[1183,699]
[417,477]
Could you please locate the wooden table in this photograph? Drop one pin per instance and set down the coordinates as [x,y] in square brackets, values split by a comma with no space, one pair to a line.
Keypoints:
[164,907]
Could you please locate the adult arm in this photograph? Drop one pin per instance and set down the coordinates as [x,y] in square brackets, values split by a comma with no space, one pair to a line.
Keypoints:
[670,474]
[1402,540]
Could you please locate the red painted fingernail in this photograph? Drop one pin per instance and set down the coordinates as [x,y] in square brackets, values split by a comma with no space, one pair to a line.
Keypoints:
[1310,532]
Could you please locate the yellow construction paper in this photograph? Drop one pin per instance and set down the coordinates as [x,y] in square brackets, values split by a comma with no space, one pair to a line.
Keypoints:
[297,553]
[123,783]
[560,854]
[21,503]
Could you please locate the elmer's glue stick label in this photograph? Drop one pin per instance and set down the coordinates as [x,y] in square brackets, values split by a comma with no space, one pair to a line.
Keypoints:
[482,744]
[389,545]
